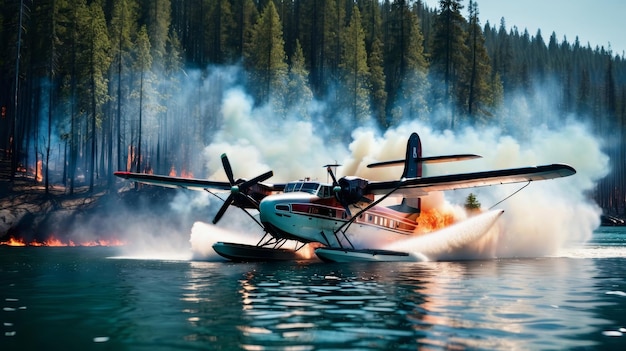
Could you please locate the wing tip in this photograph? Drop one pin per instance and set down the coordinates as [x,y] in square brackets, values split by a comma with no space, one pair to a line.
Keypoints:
[567,169]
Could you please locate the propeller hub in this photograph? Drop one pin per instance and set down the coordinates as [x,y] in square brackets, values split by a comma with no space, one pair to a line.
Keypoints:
[234,189]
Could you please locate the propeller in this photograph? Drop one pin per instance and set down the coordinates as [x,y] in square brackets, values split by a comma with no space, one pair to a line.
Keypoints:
[238,189]
[337,189]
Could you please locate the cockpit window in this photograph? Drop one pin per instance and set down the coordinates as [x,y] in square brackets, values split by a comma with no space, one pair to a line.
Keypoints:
[310,188]
[307,187]
[290,187]
[325,191]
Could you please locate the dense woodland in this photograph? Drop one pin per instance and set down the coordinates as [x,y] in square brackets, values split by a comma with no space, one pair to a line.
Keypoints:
[91,87]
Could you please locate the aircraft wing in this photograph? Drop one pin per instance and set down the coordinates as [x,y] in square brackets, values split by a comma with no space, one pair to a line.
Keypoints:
[421,186]
[174,182]
[187,183]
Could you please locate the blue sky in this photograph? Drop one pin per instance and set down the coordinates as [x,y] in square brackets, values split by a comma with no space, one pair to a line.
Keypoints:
[598,22]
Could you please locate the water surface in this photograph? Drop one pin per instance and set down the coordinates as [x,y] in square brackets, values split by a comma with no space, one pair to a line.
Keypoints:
[77,298]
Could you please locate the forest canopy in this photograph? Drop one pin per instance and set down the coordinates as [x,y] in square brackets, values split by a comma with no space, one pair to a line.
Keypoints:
[91,87]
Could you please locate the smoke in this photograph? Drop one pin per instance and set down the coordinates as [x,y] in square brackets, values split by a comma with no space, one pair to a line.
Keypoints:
[255,141]
[537,221]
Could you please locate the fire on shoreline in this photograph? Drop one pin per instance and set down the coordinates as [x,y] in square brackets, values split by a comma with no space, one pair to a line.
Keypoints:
[55,242]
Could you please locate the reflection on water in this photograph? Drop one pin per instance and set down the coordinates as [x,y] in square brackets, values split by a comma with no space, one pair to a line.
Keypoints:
[77,298]
[526,304]
[314,306]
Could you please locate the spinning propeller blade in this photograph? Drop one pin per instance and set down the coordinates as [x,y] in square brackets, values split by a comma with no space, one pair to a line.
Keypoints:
[223,209]
[338,190]
[265,176]
[239,189]
[228,169]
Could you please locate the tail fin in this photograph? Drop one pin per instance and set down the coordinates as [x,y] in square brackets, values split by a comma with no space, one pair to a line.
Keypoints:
[412,169]
[413,159]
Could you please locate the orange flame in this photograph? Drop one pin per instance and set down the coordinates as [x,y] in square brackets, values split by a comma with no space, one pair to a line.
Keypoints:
[39,171]
[433,219]
[13,242]
[53,241]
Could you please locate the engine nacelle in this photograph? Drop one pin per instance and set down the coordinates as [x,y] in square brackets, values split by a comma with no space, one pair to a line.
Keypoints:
[352,189]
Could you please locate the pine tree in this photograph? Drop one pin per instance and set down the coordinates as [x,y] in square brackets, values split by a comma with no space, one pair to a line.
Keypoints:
[122,28]
[449,53]
[299,95]
[247,17]
[158,24]
[74,13]
[158,20]
[188,21]
[99,63]
[265,58]
[143,65]
[503,56]
[334,25]
[479,91]
[354,69]
[406,66]
[173,67]
[377,83]
[372,21]
[46,43]
[220,26]
[472,203]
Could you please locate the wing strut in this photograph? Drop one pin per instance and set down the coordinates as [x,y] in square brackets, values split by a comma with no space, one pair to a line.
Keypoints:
[353,218]
[506,198]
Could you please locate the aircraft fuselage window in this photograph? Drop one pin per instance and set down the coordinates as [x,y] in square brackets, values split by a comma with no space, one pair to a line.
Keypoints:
[325,191]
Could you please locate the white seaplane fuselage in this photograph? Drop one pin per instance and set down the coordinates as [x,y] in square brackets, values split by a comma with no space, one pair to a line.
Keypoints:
[308,211]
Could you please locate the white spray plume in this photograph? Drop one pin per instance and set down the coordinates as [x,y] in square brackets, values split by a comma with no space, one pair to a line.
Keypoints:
[468,239]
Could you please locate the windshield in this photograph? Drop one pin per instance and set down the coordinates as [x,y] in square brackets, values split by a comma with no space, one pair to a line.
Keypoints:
[307,187]
[310,188]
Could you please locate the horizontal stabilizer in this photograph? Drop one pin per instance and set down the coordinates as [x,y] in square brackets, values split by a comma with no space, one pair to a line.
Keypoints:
[431,159]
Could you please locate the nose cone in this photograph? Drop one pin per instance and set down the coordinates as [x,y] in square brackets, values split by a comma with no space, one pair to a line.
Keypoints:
[273,208]
[275,212]
[266,210]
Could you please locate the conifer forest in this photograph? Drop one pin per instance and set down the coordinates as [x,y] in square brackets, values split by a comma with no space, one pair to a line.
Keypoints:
[89,87]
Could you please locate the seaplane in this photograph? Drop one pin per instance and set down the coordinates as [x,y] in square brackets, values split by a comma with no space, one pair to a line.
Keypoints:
[338,216]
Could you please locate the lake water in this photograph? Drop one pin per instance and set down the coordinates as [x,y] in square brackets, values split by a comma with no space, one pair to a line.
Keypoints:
[79,298]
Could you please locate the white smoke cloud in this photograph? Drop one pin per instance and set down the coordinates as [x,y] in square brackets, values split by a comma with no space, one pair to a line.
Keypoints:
[537,221]
[255,141]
